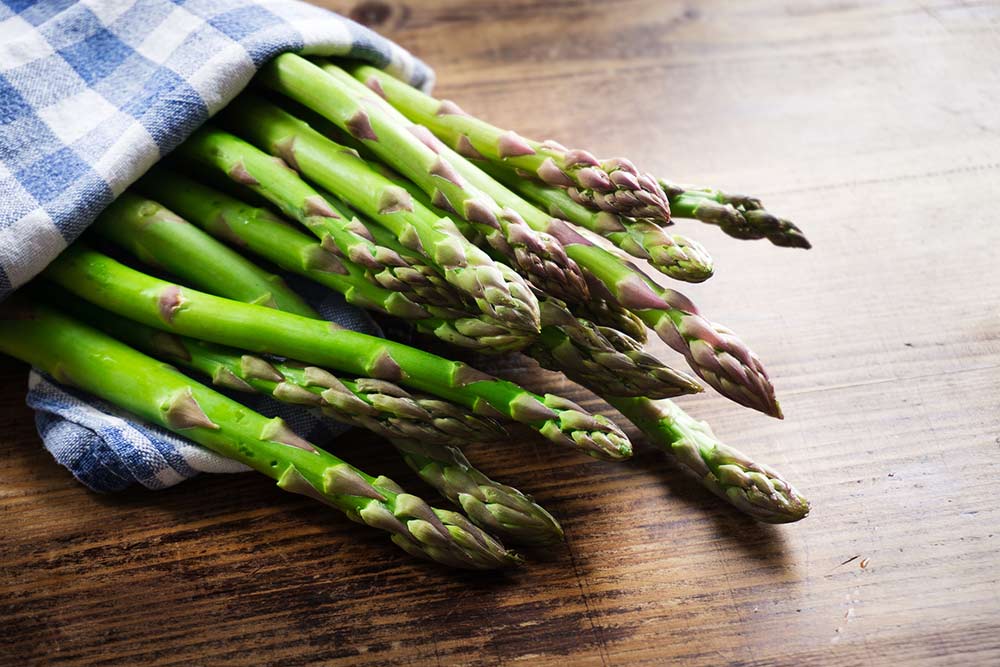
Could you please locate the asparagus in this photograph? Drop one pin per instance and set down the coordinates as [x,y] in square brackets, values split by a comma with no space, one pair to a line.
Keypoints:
[601,312]
[263,234]
[739,216]
[613,185]
[419,426]
[379,406]
[340,232]
[537,256]
[612,314]
[754,488]
[75,354]
[582,350]
[495,288]
[603,357]
[492,506]
[136,223]
[714,352]
[157,303]
[672,254]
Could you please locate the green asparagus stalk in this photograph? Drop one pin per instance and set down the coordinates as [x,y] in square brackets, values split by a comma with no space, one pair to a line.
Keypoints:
[259,231]
[753,488]
[134,222]
[600,312]
[170,246]
[537,256]
[739,216]
[671,254]
[714,352]
[339,231]
[157,303]
[495,288]
[419,426]
[77,355]
[613,185]
[379,406]
[603,357]
[495,507]
[613,315]
[582,350]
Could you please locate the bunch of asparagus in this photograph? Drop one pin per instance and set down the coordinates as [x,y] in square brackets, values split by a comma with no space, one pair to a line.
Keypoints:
[411,208]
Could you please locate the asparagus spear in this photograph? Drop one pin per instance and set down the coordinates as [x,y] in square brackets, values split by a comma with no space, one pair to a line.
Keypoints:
[157,303]
[262,233]
[755,489]
[492,506]
[340,232]
[496,289]
[379,406]
[75,354]
[134,222]
[582,350]
[419,426]
[613,315]
[739,216]
[537,256]
[672,254]
[603,357]
[600,312]
[612,185]
[713,351]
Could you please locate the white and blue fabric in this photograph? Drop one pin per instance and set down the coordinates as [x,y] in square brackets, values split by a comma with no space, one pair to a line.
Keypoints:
[92,94]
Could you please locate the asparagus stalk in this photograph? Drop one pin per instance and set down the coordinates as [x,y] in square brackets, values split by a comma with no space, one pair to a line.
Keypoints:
[739,216]
[603,357]
[714,352]
[157,303]
[672,254]
[419,426]
[75,354]
[613,185]
[262,233]
[339,231]
[137,224]
[600,312]
[582,350]
[495,288]
[492,506]
[613,315]
[379,406]
[537,256]
[754,488]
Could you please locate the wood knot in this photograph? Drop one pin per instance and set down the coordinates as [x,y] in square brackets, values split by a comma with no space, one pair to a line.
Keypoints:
[371,13]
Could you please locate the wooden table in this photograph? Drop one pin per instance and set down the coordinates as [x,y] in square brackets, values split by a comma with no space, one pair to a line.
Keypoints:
[874,125]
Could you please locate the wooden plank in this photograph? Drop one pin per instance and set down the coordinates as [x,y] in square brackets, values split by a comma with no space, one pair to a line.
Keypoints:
[875,126]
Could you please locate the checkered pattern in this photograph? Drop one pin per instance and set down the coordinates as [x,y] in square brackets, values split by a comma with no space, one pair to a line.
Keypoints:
[94,92]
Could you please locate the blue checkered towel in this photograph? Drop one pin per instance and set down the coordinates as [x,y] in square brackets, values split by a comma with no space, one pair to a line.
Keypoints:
[92,94]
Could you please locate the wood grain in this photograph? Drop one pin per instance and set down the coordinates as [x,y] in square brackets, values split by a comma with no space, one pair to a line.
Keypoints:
[873,124]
